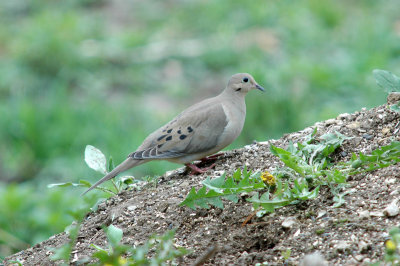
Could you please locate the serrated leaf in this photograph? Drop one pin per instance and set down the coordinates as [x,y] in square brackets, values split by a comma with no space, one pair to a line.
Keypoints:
[217,202]
[237,175]
[233,197]
[95,159]
[287,158]
[215,184]
[387,80]
[191,198]
[221,188]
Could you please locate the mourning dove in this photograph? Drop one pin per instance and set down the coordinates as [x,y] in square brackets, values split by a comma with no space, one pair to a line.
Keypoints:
[201,130]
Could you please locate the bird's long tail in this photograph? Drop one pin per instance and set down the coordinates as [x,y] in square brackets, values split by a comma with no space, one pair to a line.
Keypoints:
[125,165]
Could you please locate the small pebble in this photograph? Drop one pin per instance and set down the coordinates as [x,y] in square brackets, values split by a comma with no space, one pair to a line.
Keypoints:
[392,209]
[330,121]
[132,208]
[377,214]
[367,136]
[342,246]
[288,222]
[321,214]
[344,116]
[184,184]
[359,257]
[364,214]
[314,259]
[353,125]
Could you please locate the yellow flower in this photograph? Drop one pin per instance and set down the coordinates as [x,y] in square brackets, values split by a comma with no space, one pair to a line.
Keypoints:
[122,261]
[268,179]
[390,245]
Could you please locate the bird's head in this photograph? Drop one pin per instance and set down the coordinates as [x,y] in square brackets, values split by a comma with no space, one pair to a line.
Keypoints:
[242,83]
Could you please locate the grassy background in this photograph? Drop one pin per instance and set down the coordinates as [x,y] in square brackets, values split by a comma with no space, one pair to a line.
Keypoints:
[107,73]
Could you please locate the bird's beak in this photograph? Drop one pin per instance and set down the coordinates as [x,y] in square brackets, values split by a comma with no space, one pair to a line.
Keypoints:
[259,87]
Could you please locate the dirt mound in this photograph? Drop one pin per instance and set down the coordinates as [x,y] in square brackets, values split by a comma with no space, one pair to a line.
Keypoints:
[351,234]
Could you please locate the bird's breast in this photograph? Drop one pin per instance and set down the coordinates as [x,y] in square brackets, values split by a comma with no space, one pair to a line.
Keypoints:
[235,115]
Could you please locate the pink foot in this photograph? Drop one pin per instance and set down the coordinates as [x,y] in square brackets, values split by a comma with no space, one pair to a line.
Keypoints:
[212,157]
[196,170]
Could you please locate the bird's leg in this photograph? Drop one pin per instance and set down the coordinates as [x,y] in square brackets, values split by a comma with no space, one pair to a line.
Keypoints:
[196,170]
[212,157]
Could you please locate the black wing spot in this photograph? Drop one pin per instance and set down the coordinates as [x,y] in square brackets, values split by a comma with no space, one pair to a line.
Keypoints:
[182,136]
[160,145]
[169,130]
[168,138]
[161,137]
[190,129]
[179,131]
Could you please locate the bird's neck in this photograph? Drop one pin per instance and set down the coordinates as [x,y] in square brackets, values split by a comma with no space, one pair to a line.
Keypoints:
[234,99]
[234,96]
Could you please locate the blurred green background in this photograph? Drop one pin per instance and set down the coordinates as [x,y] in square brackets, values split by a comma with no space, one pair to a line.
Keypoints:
[107,73]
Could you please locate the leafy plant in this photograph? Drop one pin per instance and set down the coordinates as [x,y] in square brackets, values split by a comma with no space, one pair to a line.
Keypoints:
[221,187]
[309,166]
[162,247]
[310,158]
[379,158]
[113,254]
[64,252]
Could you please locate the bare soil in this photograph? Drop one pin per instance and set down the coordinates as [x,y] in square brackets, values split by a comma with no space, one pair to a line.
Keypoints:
[353,234]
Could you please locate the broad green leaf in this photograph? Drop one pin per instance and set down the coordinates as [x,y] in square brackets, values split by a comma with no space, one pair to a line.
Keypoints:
[95,159]
[114,235]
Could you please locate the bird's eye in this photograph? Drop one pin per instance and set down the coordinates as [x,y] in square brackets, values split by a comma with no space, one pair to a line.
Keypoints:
[245,79]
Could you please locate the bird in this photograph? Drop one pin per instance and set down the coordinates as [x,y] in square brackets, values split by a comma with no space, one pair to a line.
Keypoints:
[199,131]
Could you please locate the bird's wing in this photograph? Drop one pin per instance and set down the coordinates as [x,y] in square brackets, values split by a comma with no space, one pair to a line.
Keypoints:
[196,130]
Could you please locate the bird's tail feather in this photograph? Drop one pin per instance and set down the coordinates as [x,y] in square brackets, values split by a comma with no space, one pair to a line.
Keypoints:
[125,165]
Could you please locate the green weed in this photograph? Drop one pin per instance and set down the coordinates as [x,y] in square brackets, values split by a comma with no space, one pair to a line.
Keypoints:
[162,248]
[308,167]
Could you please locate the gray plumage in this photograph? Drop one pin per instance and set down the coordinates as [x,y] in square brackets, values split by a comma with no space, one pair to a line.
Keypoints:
[201,130]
